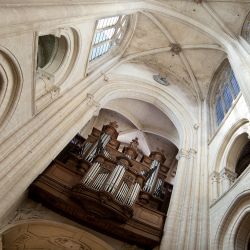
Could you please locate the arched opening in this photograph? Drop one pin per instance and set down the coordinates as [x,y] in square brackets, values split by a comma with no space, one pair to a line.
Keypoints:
[236,154]
[243,160]
[51,52]
[56,53]
[121,180]
[234,229]
[41,234]
[242,236]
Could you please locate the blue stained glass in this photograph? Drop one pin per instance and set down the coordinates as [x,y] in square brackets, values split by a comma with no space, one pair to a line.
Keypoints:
[219,111]
[235,85]
[227,96]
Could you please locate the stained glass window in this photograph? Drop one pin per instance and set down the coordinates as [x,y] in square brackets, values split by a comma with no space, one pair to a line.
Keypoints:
[109,32]
[227,96]
[235,85]
[228,92]
[219,111]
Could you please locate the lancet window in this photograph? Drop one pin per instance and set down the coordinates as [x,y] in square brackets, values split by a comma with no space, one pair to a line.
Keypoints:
[226,93]
[108,34]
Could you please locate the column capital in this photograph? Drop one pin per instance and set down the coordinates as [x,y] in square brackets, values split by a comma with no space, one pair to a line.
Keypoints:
[215,176]
[228,174]
[184,153]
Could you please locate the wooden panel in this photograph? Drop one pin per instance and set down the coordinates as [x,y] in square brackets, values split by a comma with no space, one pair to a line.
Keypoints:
[147,216]
[63,175]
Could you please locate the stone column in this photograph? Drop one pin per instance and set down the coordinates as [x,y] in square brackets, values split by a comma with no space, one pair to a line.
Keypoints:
[227,178]
[175,222]
[214,185]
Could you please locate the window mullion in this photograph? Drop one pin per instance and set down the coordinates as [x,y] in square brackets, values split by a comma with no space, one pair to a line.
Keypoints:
[106,28]
[101,43]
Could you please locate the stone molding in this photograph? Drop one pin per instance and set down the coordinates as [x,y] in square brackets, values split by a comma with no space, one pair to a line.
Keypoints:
[228,174]
[215,176]
[188,154]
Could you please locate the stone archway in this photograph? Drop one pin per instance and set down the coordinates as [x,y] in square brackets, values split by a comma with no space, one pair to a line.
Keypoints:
[234,229]
[41,234]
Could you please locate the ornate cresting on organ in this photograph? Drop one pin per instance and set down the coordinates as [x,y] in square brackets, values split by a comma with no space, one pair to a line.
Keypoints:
[95,183]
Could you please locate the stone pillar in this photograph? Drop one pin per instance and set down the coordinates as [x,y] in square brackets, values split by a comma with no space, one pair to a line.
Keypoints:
[239,60]
[214,185]
[175,222]
[227,178]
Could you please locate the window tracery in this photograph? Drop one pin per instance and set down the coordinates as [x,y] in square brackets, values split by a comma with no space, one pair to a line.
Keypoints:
[226,93]
[109,33]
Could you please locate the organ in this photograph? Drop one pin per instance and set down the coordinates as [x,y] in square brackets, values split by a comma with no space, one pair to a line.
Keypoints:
[95,183]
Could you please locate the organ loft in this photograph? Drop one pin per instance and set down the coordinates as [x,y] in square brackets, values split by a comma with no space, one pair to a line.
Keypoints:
[109,188]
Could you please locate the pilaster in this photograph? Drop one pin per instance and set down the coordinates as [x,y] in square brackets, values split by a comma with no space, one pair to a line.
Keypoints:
[177,210]
[215,178]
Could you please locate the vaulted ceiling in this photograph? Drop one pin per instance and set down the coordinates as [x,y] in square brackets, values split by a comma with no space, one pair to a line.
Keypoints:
[186,54]
[181,41]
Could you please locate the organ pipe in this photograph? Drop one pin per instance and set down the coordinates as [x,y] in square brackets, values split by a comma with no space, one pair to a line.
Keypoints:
[104,140]
[115,178]
[135,189]
[91,173]
[150,182]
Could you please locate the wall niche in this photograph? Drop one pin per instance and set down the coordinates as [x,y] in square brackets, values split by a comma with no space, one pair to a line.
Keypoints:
[56,52]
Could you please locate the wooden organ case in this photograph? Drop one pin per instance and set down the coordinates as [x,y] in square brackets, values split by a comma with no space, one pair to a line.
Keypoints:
[93,183]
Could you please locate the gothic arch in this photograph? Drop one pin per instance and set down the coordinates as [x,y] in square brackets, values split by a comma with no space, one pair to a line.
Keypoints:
[233,230]
[11,85]
[164,101]
[231,145]
[79,111]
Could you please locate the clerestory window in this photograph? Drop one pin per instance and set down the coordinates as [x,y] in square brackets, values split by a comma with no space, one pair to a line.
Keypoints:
[109,33]
[228,91]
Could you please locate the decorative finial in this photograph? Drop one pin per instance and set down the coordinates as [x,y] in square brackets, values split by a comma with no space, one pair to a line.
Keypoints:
[175,48]
[134,143]
[113,124]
